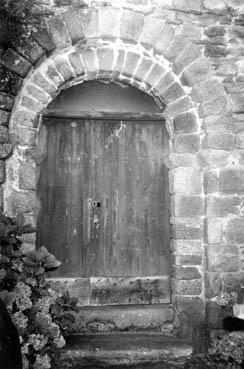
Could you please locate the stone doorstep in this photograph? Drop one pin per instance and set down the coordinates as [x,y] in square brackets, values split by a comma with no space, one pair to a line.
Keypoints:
[124,350]
[130,318]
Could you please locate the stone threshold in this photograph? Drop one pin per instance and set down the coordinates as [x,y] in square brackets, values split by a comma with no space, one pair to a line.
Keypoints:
[130,318]
[129,350]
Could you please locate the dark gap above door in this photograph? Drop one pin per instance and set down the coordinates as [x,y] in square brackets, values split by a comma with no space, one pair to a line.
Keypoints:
[96,96]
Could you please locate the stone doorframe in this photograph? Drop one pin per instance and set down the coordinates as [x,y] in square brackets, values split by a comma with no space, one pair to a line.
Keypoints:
[123,46]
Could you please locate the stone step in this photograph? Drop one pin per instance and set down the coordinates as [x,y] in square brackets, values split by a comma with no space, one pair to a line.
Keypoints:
[125,318]
[135,351]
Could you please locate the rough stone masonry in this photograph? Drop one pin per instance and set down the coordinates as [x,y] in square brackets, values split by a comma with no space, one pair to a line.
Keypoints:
[188,55]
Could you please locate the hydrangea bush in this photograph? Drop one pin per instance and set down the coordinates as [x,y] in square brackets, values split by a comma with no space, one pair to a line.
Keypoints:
[41,315]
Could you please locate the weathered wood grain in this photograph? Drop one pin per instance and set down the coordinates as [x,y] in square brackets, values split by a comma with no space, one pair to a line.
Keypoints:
[104,197]
[103,115]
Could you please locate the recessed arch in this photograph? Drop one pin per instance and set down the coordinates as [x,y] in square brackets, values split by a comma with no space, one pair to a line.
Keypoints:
[116,160]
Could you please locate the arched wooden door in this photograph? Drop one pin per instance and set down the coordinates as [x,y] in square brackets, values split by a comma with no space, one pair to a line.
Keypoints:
[104,196]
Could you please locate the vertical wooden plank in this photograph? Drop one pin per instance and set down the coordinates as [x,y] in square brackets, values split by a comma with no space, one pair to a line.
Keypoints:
[76,202]
[86,200]
[119,165]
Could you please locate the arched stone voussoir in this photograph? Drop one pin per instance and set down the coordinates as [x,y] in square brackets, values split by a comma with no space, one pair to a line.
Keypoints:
[131,26]
[106,61]
[109,22]
[106,57]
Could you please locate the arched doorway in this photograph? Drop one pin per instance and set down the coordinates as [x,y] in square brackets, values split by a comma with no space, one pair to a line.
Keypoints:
[103,191]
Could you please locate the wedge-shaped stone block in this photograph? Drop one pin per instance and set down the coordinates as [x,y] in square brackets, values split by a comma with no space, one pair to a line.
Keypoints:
[43,83]
[109,22]
[143,68]
[89,58]
[131,26]
[164,39]
[151,30]
[76,63]
[15,62]
[58,31]
[197,72]
[190,53]
[25,118]
[89,20]
[172,93]
[179,106]
[73,24]
[105,57]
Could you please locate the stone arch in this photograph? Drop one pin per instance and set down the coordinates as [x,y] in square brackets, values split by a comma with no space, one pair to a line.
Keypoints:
[114,44]
[135,48]
[133,60]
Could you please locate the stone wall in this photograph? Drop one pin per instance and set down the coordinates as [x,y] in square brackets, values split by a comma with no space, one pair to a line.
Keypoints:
[187,54]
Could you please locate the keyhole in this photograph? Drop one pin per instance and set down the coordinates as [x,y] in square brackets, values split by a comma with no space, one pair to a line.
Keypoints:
[96,204]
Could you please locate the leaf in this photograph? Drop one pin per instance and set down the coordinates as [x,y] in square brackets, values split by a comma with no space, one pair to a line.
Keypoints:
[2,274]
[28,228]
[73,300]
[69,317]
[17,254]
[2,230]
[29,262]
[39,271]
[48,260]
[4,259]
[7,297]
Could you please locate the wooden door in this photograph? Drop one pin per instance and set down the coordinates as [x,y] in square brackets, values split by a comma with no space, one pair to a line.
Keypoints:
[104,197]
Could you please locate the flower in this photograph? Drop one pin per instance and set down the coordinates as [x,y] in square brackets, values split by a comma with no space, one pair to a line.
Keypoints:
[23,294]
[44,303]
[38,341]
[25,348]
[25,362]
[31,281]
[59,341]
[17,265]
[20,320]
[42,362]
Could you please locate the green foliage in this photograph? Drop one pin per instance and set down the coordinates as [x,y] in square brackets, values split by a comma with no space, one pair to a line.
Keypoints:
[42,316]
[226,352]
[16,18]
